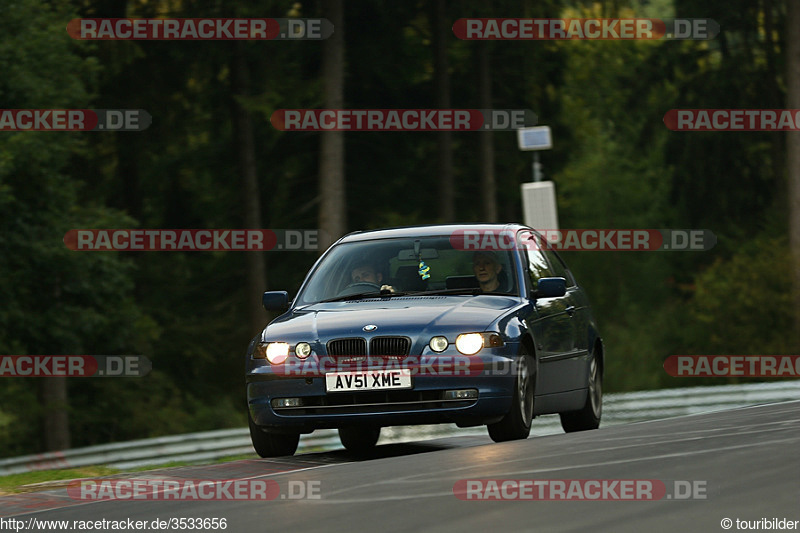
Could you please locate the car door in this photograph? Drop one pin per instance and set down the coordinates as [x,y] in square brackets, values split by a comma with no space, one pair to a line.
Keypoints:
[552,327]
[574,363]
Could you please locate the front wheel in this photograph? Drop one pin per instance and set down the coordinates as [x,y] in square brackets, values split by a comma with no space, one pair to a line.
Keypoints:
[272,444]
[517,423]
[589,415]
[359,439]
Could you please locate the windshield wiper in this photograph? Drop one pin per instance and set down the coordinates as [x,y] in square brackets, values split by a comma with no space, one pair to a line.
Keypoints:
[474,292]
[356,296]
[384,293]
[465,291]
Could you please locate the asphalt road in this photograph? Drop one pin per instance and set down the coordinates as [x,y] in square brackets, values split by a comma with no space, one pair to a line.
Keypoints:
[742,464]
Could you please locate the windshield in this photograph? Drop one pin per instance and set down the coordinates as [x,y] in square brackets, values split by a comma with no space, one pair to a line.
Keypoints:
[387,267]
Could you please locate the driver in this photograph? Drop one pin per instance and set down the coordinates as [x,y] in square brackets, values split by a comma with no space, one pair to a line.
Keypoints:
[367,273]
[487,268]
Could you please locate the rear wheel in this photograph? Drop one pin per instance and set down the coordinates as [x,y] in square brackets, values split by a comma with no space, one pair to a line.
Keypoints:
[589,416]
[272,444]
[359,439]
[517,423]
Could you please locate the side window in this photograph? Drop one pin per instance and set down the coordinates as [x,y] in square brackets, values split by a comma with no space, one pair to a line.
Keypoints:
[537,266]
[558,267]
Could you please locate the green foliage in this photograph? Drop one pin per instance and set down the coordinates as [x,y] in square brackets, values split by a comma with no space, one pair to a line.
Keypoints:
[742,304]
[46,479]
[614,163]
[56,301]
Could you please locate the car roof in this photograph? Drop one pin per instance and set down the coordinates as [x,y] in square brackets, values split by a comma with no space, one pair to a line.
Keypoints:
[434,230]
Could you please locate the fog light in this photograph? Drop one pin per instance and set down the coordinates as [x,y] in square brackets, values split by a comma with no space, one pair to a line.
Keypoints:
[302,350]
[287,402]
[461,394]
[438,344]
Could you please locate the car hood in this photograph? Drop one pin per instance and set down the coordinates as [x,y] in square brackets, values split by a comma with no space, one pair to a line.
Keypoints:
[407,316]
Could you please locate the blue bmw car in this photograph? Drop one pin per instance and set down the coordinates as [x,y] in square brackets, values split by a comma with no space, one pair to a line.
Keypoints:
[465,324]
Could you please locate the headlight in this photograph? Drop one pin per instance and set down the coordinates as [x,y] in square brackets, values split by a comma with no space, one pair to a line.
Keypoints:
[438,344]
[471,343]
[277,352]
[302,350]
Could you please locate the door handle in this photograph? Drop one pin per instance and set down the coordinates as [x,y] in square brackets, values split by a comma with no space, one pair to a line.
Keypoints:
[570,310]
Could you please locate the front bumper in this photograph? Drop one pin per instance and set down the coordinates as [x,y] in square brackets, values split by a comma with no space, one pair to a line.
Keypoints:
[424,403]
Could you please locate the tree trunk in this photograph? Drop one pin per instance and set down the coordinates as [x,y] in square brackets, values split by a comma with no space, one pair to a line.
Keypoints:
[255,261]
[441,32]
[333,208]
[488,185]
[55,413]
[793,147]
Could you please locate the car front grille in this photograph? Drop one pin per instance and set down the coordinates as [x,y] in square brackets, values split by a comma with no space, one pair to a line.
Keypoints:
[398,346]
[355,350]
[349,347]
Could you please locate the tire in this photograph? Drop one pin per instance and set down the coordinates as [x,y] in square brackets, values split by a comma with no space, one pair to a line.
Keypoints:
[516,424]
[359,439]
[272,444]
[588,417]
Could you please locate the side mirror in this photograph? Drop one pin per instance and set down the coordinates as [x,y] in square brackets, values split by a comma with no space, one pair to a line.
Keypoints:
[275,300]
[551,287]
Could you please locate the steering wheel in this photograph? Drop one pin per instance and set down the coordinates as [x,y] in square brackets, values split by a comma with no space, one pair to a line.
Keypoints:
[360,286]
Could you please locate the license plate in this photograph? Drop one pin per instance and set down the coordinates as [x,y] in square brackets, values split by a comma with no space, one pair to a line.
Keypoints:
[368,380]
